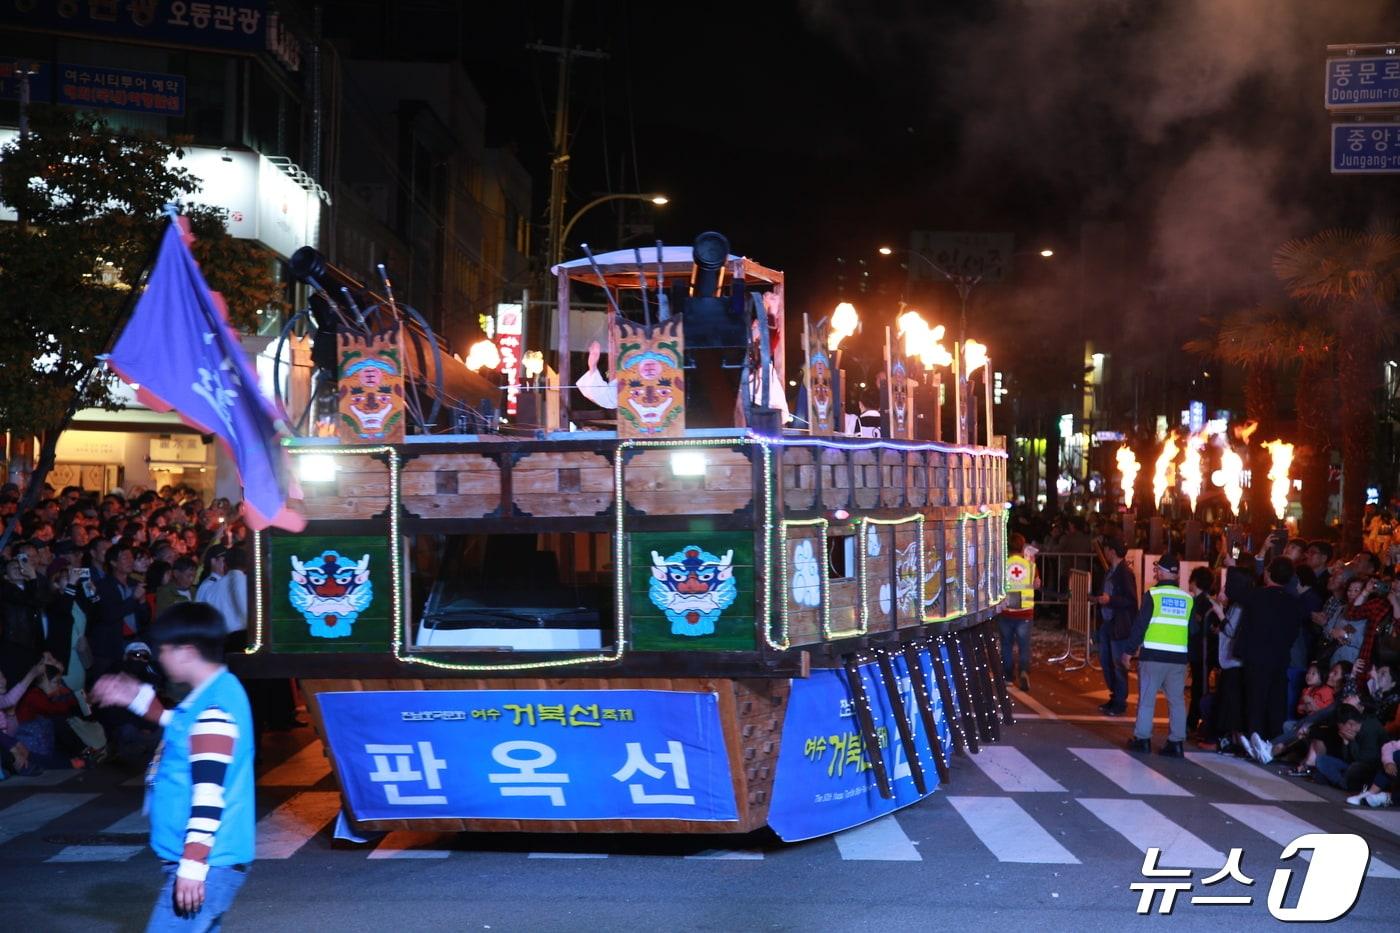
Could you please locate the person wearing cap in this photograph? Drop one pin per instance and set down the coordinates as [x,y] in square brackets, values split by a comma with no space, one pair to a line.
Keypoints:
[1118,606]
[1160,636]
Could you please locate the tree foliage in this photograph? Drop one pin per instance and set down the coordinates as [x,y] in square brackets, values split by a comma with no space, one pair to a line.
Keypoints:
[1352,278]
[90,201]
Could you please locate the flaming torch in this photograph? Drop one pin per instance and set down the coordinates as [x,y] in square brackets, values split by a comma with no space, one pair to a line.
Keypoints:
[923,341]
[1128,468]
[1280,461]
[844,321]
[1191,476]
[1229,477]
[1164,472]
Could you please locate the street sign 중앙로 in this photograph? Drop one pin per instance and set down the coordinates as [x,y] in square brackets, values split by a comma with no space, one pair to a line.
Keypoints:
[1363,83]
[1365,148]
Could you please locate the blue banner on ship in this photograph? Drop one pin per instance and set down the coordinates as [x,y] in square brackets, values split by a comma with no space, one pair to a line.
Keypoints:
[530,754]
[825,782]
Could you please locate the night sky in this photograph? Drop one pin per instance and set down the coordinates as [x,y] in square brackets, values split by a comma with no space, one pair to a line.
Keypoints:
[1192,131]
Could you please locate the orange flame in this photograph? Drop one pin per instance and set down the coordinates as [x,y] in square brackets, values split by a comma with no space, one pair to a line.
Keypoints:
[1281,460]
[1191,476]
[1245,431]
[974,356]
[1230,477]
[922,341]
[1128,468]
[1164,472]
[844,321]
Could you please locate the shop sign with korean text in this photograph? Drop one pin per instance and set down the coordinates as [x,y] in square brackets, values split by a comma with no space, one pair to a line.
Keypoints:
[530,754]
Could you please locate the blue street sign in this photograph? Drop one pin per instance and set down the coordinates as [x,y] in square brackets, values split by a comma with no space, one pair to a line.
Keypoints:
[1365,148]
[1363,83]
[530,754]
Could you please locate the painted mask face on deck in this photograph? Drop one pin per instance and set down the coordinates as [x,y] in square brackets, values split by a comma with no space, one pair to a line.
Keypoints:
[899,397]
[820,386]
[650,381]
[692,587]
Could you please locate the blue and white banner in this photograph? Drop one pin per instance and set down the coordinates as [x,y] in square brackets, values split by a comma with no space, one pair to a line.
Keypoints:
[825,780]
[530,754]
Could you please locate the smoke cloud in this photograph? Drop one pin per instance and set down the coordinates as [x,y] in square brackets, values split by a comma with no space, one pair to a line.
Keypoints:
[1198,122]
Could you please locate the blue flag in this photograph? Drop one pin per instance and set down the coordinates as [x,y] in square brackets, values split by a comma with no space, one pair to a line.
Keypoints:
[182,354]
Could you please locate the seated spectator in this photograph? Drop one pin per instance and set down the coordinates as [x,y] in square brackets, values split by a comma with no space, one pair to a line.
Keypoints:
[1317,695]
[15,756]
[43,713]
[1380,792]
[1336,755]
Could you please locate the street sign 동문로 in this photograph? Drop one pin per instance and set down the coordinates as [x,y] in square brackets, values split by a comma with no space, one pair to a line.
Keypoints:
[1365,148]
[1363,83]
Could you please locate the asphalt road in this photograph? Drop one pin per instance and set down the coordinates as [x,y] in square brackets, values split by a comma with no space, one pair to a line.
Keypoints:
[1044,831]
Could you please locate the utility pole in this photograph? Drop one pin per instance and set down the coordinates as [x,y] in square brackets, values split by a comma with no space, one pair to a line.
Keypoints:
[559,156]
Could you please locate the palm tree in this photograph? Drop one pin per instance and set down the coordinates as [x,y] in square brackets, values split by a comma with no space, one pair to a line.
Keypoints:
[1249,339]
[1353,278]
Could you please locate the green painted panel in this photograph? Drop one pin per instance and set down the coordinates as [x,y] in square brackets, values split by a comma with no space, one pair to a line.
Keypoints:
[698,607]
[334,606]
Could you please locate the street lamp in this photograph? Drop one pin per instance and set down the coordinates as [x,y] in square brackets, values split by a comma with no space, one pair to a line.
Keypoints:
[557,251]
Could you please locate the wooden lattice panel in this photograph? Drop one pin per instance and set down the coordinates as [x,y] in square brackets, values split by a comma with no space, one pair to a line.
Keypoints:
[451,486]
[564,484]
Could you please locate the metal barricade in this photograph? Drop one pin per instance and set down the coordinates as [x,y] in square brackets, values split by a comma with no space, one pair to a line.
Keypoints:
[1081,619]
[1054,569]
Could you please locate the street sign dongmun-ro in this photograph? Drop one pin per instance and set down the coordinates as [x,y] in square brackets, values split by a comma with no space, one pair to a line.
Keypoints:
[1363,83]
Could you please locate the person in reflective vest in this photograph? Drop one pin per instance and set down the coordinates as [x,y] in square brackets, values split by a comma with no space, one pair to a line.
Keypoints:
[1014,620]
[1160,637]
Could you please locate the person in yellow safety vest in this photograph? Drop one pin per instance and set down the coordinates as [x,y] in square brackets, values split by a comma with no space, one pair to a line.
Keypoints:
[1014,620]
[1160,633]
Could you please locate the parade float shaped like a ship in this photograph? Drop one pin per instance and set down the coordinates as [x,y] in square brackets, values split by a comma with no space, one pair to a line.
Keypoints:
[666,624]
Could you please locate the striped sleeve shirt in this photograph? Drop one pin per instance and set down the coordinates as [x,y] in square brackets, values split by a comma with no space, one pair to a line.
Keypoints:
[211,752]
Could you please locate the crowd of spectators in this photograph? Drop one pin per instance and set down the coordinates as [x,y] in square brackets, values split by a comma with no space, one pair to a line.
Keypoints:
[1293,650]
[84,575]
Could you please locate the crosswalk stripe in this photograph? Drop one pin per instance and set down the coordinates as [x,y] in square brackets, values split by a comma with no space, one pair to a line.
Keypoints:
[303,769]
[285,830]
[1013,771]
[1146,829]
[95,853]
[1388,820]
[1263,784]
[1009,831]
[134,822]
[881,840]
[35,810]
[1128,772]
[1025,699]
[50,778]
[726,854]
[568,855]
[1283,827]
[409,844]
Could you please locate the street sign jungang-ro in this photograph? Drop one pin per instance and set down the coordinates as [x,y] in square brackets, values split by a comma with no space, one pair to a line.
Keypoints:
[1365,148]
